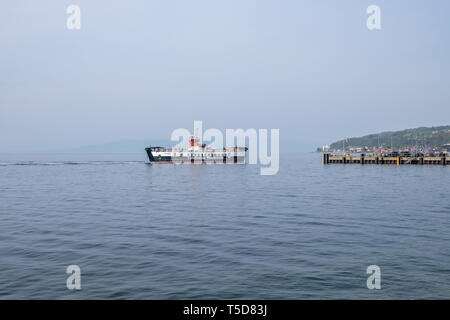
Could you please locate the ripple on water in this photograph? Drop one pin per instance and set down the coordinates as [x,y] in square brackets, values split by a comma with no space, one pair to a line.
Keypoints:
[143,231]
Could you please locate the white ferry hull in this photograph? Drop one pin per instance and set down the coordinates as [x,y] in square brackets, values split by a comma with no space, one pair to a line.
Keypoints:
[201,156]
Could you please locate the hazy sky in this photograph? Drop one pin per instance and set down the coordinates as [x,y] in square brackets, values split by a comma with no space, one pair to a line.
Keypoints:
[139,69]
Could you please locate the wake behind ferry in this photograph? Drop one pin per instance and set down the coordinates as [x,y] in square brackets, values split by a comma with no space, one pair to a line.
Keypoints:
[196,153]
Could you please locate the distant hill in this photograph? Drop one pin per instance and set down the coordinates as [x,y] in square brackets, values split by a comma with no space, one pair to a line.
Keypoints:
[423,136]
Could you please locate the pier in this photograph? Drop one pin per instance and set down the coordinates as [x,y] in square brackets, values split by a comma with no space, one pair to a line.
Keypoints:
[328,158]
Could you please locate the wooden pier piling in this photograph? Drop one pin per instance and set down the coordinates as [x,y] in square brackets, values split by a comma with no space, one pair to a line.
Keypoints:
[328,158]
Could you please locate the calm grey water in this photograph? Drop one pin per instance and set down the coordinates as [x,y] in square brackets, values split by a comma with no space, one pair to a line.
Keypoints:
[139,231]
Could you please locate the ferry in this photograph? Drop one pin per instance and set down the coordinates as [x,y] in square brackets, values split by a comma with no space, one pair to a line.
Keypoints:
[197,153]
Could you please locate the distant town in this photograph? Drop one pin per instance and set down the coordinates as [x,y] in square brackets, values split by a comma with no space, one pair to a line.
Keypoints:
[423,141]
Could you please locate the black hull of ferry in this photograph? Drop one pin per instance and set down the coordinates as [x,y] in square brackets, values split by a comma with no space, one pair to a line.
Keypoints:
[159,159]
